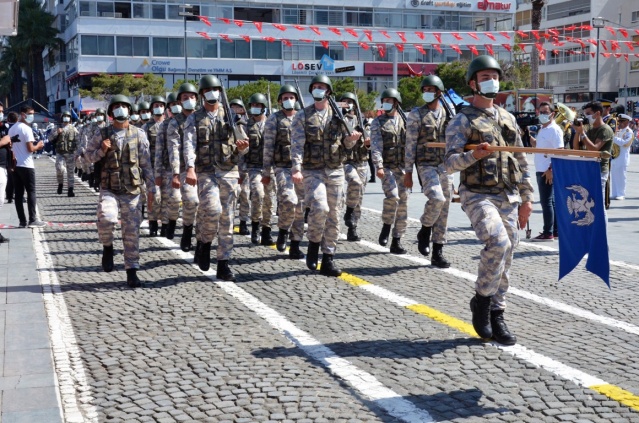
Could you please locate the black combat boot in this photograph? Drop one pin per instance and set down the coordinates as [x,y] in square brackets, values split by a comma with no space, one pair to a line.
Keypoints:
[306,212]
[163,229]
[282,236]
[70,192]
[480,306]
[170,230]
[132,278]
[153,228]
[255,234]
[90,179]
[311,255]
[142,210]
[243,228]
[59,189]
[107,258]
[352,234]
[396,246]
[267,239]
[224,271]
[501,334]
[383,235]
[294,252]
[185,242]
[196,253]
[85,177]
[204,256]
[423,240]
[329,268]
[79,172]
[348,217]
[438,259]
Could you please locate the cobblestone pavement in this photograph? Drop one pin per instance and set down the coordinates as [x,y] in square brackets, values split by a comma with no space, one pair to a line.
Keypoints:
[288,345]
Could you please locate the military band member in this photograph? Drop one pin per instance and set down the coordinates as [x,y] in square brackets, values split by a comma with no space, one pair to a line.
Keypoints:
[212,153]
[65,139]
[388,141]
[623,138]
[277,153]
[319,143]
[244,189]
[151,128]
[427,125]
[355,169]
[495,191]
[123,151]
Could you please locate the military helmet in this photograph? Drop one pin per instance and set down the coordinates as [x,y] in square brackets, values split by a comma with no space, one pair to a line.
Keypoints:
[391,93]
[144,105]
[433,81]
[209,81]
[481,63]
[258,98]
[237,102]
[187,87]
[171,98]
[67,113]
[323,79]
[135,108]
[158,99]
[349,96]
[99,110]
[119,98]
[286,88]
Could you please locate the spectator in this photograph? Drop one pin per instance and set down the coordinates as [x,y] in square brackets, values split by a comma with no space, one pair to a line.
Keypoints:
[5,163]
[4,130]
[24,145]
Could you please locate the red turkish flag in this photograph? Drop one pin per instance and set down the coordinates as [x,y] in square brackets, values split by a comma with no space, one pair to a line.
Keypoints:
[586,27]
[238,23]
[306,40]
[593,55]
[489,49]
[324,44]
[287,43]
[457,36]
[382,50]
[624,33]
[625,56]
[279,26]
[258,25]
[617,55]
[611,30]
[438,37]
[225,20]
[335,30]
[507,47]
[629,44]
[352,32]
[606,55]
[614,45]
[369,34]
[315,30]
[384,33]
[603,44]
[205,20]
[269,39]
[473,35]
[570,28]
[401,35]
[299,27]
[473,49]
[226,37]
[456,48]
[246,38]
[535,33]
[522,34]
[420,48]
[363,45]
[504,34]
[542,55]
[492,37]
[345,44]
[592,41]
[438,48]
[419,34]
[400,47]
[522,47]
[540,47]
[205,35]
[553,32]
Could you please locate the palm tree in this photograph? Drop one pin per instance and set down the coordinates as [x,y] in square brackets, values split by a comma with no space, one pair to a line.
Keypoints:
[537,5]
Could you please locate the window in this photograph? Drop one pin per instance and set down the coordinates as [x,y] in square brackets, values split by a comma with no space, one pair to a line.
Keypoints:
[105,9]
[174,13]
[334,52]
[158,11]
[523,17]
[503,23]
[88,8]
[133,46]
[254,14]
[387,19]
[266,50]
[359,17]
[97,45]
[329,17]
[238,49]
[299,50]
[201,48]
[635,16]
[123,10]
[168,47]
[141,10]
[566,9]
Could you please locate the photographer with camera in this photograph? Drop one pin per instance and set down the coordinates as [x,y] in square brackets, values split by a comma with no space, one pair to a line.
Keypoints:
[549,135]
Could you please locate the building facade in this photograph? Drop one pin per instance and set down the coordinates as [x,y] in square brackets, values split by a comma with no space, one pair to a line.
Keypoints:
[141,36]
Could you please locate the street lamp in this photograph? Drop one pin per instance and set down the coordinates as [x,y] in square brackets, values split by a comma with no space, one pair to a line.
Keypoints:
[187,11]
[598,23]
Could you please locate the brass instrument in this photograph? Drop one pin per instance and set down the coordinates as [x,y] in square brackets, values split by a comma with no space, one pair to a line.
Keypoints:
[563,114]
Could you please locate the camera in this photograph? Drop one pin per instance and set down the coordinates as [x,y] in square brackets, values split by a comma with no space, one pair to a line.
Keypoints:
[15,139]
[533,128]
[579,120]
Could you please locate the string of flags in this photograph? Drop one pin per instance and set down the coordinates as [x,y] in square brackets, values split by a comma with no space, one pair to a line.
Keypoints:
[548,40]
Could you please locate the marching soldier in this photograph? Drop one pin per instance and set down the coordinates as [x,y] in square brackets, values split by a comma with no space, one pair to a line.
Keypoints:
[145,112]
[277,152]
[65,139]
[135,116]
[355,169]
[319,143]
[388,140]
[244,189]
[425,125]
[151,128]
[187,95]
[123,151]
[169,196]
[212,153]
[495,192]
[261,194]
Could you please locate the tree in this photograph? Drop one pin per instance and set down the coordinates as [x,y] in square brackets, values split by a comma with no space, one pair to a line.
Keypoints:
[411,93]
[347,85]
[453,75]
[106,85]
[244,91]
[537,5]
[179,82]
[516,75]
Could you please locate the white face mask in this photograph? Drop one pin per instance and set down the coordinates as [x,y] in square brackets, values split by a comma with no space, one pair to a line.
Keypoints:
[428,97]
[29,119]
[288,104]
[591,118]
[146,116]
[121,112]
[134,118]
[212,96]
[189,104]
[256,110]
[66,119]
[544,118]
[99,118]
[1,116]
[387,107]
[94,120]
[348,108]
[489,89]
[318,94]
[176,108]
[158,111]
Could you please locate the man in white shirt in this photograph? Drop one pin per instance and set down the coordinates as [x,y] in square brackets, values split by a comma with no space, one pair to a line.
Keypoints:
[24,144]
[618,166]
[549,135]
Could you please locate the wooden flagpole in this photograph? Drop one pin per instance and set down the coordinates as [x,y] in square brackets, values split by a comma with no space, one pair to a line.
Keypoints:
[515,149]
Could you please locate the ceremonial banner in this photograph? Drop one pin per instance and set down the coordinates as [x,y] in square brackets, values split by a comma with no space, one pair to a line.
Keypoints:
[580,216]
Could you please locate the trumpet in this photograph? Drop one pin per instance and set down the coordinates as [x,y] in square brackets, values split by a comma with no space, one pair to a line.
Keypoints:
[563,114]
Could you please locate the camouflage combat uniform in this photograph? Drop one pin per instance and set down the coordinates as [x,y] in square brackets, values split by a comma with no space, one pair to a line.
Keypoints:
[66,144]
[261,196]
[151,129]
[356,173]
[169,197]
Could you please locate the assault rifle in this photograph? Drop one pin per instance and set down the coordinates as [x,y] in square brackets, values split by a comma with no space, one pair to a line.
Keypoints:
[268,96]
[238,132]
[365,132]
[338,113]
[401,113]
[299,94]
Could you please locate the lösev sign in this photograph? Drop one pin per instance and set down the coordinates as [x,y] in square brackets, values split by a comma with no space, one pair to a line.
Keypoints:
[324,66]
[471,5]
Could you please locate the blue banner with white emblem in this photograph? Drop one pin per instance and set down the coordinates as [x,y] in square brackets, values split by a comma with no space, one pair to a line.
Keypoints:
[581,221]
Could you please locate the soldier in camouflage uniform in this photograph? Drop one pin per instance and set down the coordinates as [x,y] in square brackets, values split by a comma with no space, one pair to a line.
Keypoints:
[277,153]
[101,119]
[151,128]
[355,169]
[187,95]
[126,164]
[65,139]
[169,196]
[388,140]
[261,194]
[212,153]
[134,118]
[319,143]
[426,125]
[495,191]
[145,112]
[243,190]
